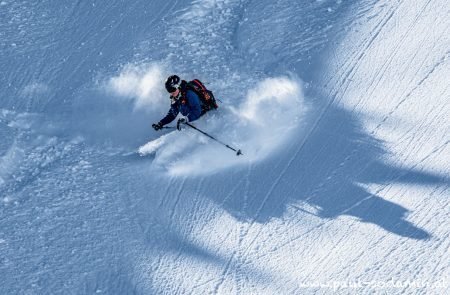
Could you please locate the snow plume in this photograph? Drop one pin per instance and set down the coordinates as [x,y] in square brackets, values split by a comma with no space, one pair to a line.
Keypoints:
[269,114]
[120,109]
[142,84]
[261,124]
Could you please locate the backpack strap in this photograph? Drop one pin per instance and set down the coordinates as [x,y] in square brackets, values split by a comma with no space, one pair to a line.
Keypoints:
[183,89]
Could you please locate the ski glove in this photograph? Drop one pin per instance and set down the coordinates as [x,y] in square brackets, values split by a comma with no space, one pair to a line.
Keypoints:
[157,126]
[181,121]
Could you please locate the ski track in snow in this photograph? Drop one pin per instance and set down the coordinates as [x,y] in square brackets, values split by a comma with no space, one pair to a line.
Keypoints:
[358,190]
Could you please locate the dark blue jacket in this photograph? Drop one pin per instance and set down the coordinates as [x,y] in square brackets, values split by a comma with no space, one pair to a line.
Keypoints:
[189,105]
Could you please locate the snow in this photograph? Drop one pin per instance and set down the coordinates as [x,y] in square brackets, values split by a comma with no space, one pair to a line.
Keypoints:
[340,109]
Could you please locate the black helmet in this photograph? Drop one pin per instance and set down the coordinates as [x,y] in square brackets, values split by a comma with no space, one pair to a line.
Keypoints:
[172,83]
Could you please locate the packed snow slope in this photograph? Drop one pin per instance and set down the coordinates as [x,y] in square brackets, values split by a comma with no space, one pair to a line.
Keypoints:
[341,109]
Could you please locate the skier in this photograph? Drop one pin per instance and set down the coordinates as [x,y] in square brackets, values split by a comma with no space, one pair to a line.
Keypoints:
[186,100]
[192,100]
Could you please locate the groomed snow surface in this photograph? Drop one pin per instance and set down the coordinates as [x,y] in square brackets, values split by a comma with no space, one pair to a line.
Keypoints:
[341,109]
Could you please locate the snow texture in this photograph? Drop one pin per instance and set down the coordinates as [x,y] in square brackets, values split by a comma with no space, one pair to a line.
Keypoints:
[339,107]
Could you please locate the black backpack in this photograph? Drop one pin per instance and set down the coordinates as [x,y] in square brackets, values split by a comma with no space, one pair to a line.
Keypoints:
[205,95]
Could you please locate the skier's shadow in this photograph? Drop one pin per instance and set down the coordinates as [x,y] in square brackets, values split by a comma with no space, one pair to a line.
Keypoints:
[334,161]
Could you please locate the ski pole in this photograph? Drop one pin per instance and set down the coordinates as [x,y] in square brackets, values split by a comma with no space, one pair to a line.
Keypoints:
[238,151]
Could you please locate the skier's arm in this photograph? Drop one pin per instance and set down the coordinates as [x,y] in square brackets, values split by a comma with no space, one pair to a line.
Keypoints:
[195,108]
[171,115]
